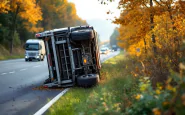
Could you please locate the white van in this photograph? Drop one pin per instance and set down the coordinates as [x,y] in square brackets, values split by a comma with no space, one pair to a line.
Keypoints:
[34,49]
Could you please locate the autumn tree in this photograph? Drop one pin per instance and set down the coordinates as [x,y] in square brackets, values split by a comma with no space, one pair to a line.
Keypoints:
[153,25]
[58,14]
[20,19]
[24,10]
[4,6]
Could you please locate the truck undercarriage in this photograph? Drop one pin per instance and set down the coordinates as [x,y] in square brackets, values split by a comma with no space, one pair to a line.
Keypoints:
[73,56]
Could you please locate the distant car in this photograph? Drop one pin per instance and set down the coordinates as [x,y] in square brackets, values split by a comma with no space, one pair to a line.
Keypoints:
[112,50]
[104,51]
[115,48]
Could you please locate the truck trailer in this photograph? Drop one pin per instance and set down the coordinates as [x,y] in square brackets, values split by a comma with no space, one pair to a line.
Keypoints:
[73,56]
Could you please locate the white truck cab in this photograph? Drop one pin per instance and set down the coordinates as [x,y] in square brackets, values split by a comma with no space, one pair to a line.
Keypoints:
[34,49]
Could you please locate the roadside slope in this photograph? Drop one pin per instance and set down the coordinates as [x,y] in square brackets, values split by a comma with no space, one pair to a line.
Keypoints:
[106,98]
[4,53]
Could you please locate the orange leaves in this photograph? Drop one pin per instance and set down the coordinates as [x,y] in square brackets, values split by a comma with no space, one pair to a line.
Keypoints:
[180,24]
[30,11]
[27,9]
[134,26]
[167,26]
[4,6]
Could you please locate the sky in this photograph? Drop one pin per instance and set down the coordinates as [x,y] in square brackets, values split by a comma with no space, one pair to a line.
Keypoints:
[96,15]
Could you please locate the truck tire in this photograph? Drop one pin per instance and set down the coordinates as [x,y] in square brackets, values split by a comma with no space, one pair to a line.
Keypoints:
[79,35]
[89,80]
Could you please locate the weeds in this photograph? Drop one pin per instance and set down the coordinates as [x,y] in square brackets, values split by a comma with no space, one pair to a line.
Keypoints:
[111,96]
[124,89]
[4,53]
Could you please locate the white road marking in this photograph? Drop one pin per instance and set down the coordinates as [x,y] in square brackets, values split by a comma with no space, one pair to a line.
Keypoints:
[12,72]
[49,104]
[3,73]
[37,66]
[23,69]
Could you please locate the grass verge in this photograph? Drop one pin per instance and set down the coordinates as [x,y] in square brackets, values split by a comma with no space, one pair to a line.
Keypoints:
[111,96]
[17,53]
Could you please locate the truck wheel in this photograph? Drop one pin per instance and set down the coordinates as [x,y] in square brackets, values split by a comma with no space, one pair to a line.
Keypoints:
[79,35]
[89,80]
[26,59]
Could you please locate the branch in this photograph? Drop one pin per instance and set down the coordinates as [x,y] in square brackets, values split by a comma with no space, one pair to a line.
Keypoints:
[158,3]
[145,5]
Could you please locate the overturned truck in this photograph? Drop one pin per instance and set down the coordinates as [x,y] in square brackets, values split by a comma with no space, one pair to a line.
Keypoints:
[72,55]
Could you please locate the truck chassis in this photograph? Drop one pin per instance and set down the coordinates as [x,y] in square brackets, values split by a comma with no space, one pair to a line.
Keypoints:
[72,55]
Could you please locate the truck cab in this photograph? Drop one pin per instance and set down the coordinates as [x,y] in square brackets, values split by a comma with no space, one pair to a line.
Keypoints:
[34,49]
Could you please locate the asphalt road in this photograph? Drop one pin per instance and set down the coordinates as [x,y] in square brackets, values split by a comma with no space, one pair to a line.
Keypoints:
[19,92]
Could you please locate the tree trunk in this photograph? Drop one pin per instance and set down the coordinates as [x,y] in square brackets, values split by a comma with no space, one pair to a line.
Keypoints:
[152,26]
[13,28]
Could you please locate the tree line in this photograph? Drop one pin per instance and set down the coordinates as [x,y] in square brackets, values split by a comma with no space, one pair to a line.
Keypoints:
[113,37]
[153,31]
[21,19]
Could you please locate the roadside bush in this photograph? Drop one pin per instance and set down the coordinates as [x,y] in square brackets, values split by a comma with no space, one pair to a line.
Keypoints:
[168,100]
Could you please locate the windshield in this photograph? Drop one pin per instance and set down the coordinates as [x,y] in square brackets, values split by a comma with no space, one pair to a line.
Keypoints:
[32,46]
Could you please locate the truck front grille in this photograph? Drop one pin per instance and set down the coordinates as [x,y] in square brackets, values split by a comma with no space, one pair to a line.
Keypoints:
[32,54]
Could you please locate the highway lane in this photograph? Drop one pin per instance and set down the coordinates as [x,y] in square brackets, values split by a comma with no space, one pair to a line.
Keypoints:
[18,94]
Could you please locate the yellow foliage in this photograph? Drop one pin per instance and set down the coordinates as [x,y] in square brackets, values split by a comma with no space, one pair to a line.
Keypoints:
[138,96]
[170,88]
[136,49]
[4,6]
[158,92]
[156,111]
[166,103]
[28,10]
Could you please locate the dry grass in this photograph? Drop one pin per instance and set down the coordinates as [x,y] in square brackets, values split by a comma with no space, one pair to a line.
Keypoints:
[112,96]
[17,53]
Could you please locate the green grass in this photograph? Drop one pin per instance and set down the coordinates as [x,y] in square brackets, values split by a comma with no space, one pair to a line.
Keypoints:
[17,53]
[111,96]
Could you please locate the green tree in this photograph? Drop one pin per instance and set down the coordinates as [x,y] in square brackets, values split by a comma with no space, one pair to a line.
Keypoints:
[27,10]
